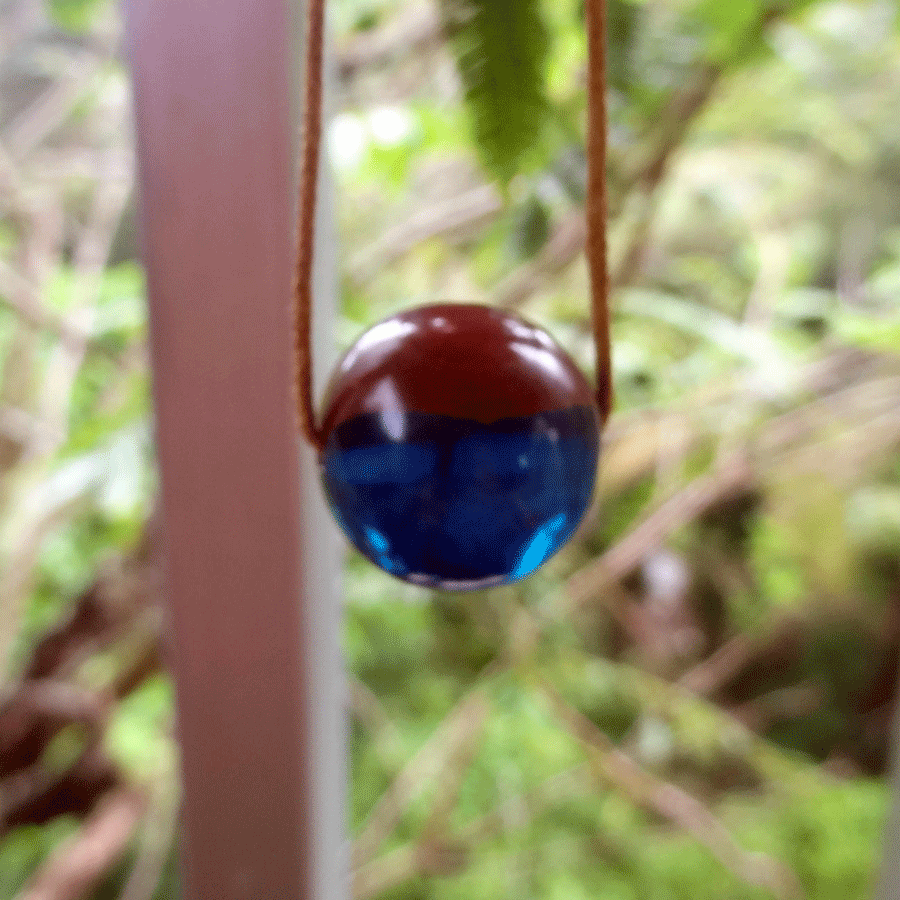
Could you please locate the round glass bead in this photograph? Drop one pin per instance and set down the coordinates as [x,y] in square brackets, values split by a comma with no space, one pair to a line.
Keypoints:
[462,446]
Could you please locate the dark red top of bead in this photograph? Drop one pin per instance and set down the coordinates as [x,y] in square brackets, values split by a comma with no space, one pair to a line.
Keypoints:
[463,360]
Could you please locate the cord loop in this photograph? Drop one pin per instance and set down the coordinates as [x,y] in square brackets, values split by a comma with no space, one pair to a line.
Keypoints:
[596,212]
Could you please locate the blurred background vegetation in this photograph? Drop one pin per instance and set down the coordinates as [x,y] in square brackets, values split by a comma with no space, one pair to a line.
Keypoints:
[693,700]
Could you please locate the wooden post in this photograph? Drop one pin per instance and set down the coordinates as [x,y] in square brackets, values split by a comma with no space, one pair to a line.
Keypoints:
[251,568]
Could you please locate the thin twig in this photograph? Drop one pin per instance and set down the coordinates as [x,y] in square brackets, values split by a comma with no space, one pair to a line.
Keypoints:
[675,805]
[36,795]
[91,257]
[718,669]
[459,728]
[368,710]
[437,859]
[156,841]
[679,510]
[452,854]
[564,247]
[412,32]
[77,866]
[455,214]
[786,703]
[54,106]
[22,298]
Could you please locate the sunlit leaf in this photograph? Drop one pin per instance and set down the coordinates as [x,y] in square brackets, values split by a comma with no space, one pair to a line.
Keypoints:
[501,50]
[76,15]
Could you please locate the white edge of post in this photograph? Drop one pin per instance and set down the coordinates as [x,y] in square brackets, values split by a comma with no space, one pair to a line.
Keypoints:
[324,619]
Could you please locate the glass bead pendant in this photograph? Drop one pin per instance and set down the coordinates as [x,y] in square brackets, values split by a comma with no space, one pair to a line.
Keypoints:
[461,446]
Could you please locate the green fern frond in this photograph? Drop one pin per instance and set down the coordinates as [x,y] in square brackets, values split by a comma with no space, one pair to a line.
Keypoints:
[501,50]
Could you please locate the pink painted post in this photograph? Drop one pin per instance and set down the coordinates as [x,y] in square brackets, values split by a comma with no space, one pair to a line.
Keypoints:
[249,563]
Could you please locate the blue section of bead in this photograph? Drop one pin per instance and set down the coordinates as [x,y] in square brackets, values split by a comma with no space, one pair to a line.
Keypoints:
[459,505]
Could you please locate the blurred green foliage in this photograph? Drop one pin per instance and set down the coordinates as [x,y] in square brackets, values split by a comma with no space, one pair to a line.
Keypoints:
[76,15]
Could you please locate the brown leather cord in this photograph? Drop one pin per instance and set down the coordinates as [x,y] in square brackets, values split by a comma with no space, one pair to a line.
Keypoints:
[596,201]
[596,211]
[306,225]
